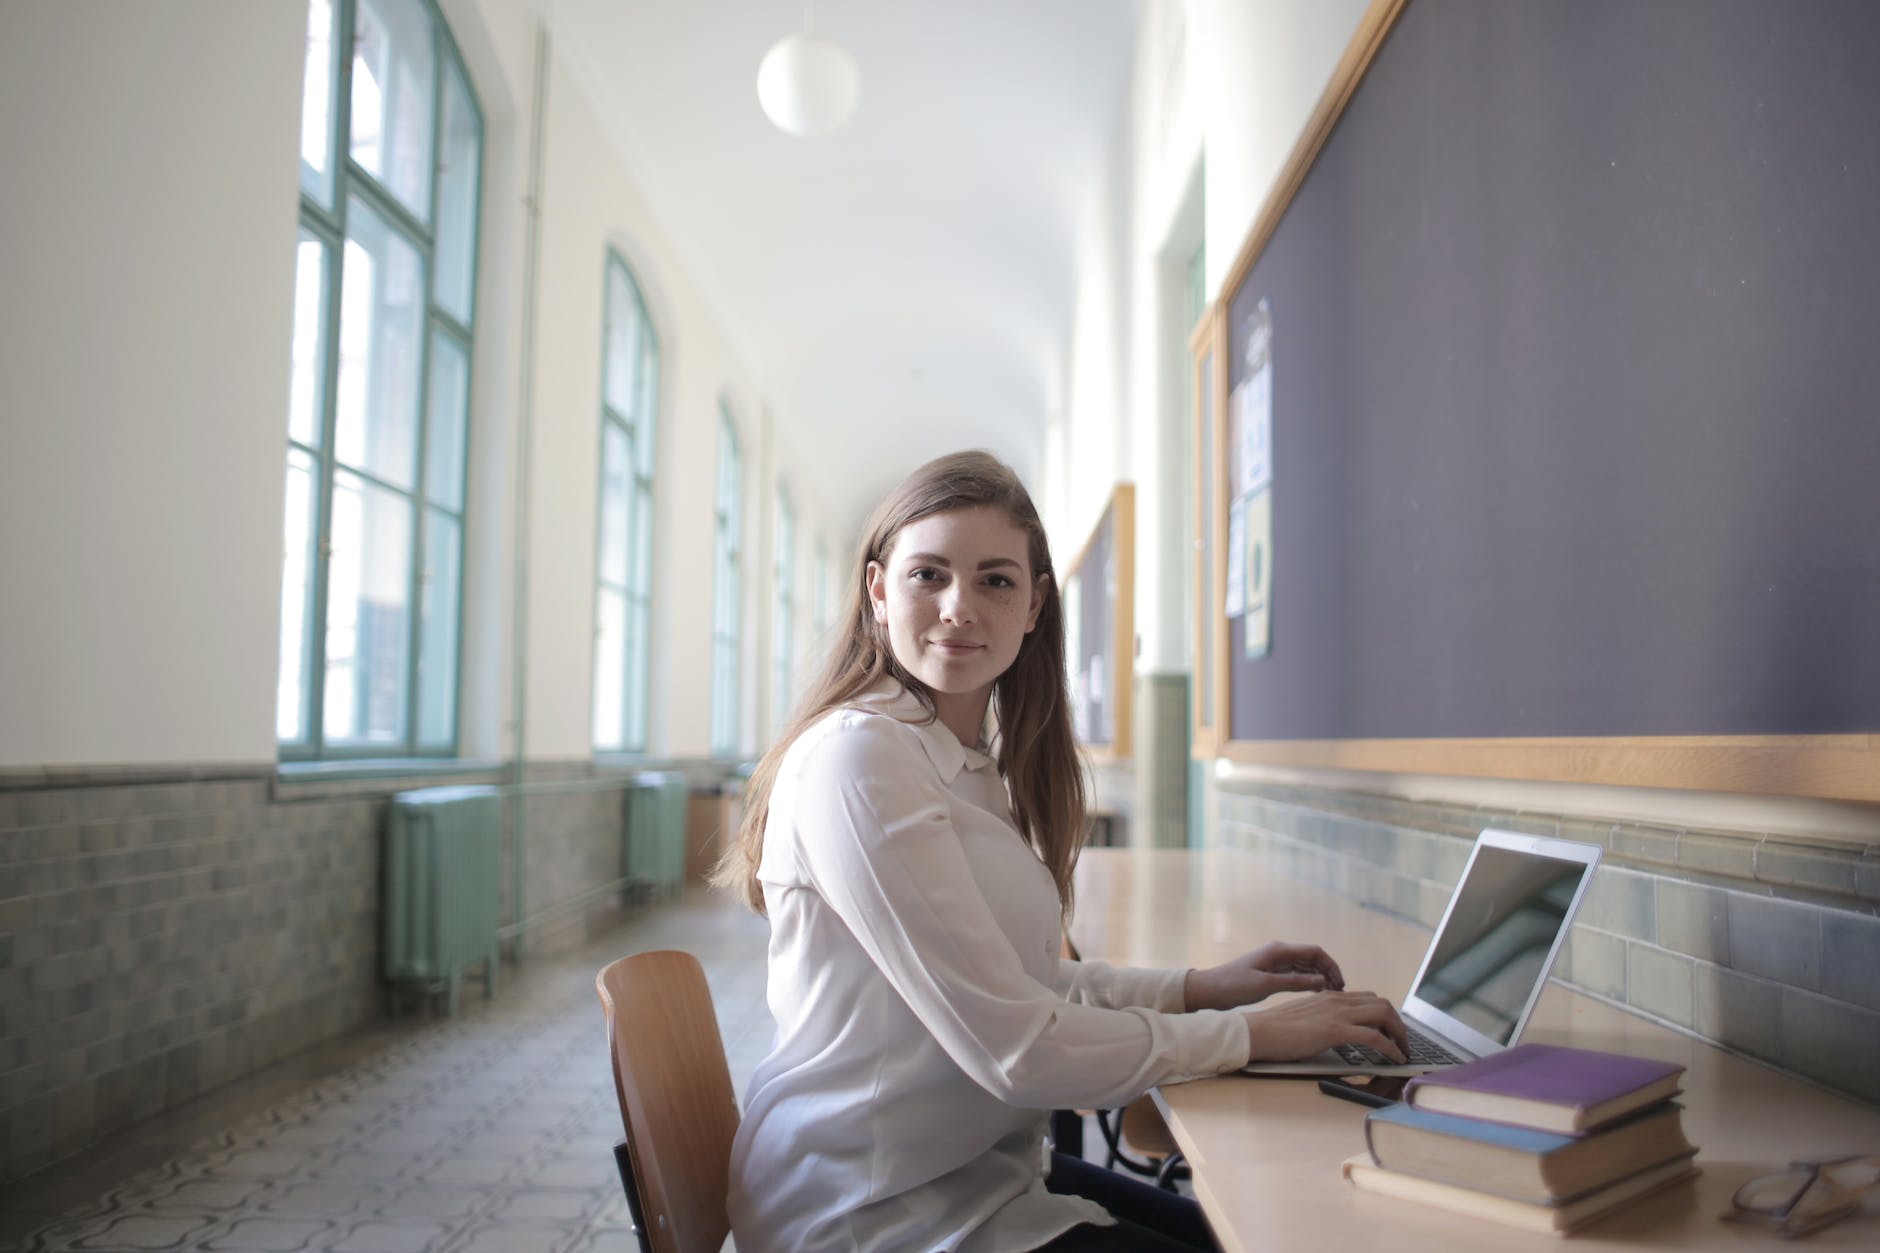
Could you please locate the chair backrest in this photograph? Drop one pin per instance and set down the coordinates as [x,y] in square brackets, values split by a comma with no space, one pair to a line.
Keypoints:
[675,1096]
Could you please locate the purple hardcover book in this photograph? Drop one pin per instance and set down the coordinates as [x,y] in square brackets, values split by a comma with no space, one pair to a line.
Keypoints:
[1547,1086]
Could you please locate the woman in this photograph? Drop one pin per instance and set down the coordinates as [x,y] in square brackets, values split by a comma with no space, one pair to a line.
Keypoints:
[917,875]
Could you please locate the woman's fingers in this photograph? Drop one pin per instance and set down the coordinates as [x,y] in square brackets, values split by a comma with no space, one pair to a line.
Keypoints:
[1283,957]
[1372,1038]
[1312,957]
[1298,983]
[1376,1018]
[1303,1026]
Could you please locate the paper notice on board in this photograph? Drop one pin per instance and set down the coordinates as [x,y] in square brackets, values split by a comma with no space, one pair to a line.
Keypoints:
[1236,599]
[1258,579]
[1253,404]
[1254,423]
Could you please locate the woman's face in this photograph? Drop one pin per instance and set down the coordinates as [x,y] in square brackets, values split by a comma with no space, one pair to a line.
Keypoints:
[958,598]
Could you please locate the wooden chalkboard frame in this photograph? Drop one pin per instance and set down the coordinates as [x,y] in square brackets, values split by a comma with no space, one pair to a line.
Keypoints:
[1207,348]
[1117,526]
[1840,767]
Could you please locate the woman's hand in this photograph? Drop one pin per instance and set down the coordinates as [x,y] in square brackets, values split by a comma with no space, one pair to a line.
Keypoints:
[1256,975]
[1305,1025]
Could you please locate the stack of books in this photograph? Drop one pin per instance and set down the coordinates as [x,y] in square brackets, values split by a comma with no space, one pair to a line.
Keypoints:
[1539,1136]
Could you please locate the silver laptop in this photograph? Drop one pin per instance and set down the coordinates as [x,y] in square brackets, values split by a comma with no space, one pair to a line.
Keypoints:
[1488,961]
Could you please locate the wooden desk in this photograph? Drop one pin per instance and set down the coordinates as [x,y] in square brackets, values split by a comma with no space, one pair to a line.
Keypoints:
[1265,1152]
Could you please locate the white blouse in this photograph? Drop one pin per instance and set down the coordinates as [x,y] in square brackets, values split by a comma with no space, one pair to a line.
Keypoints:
[925,1021]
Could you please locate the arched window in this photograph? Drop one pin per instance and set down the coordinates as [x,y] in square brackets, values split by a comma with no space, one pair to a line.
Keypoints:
[819,591]
[783,611]
[728,518]
[624,554]
[391,151]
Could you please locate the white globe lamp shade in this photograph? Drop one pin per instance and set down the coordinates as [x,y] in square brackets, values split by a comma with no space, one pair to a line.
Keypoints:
[808,85]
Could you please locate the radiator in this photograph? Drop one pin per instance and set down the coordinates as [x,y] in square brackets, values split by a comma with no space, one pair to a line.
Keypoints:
[442,888]
[655,851]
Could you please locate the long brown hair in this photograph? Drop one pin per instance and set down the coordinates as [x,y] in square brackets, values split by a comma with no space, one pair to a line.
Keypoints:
[1037,755]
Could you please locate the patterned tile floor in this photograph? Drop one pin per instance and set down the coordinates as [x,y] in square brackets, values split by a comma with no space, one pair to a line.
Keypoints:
[488,1133]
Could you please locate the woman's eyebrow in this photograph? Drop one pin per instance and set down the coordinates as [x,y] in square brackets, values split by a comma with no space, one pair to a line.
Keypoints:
[935,559]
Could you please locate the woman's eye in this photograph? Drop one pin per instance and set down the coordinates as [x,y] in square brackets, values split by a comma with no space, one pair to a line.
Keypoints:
[1002,582]
[925,574]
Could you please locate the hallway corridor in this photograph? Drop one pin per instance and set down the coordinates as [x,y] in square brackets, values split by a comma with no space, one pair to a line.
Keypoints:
[489,1133]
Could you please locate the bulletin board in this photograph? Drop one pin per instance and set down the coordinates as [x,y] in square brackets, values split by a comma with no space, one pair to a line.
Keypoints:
[1566,315]
[1100,622]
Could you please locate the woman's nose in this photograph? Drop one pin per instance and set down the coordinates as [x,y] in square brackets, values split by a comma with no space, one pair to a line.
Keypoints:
[956,604]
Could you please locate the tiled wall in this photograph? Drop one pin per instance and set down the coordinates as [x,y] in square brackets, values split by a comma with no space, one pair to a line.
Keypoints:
[575,825]
[1146,793]
[1113,793]
[1767,945]
[1160,709]
[163,935]
[165,932]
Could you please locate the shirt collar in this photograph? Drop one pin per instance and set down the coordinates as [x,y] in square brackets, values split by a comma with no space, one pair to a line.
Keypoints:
[948,755]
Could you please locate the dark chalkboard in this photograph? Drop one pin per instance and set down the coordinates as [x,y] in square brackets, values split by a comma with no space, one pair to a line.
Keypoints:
[1576,416]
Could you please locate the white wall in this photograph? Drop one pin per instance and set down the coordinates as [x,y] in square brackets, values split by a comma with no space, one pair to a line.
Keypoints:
[1231,82]
[149,220]
[1260,66]
[497,49]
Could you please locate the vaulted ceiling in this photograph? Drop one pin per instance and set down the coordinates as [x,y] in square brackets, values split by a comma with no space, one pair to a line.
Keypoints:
[903,286]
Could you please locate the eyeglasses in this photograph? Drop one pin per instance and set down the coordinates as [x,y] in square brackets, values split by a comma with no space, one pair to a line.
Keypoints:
[1807,1196]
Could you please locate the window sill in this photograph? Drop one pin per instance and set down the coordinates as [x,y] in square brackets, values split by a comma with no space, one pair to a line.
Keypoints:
[311,780]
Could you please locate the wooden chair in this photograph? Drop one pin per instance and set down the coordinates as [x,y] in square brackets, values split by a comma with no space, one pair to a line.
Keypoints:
[676,1100]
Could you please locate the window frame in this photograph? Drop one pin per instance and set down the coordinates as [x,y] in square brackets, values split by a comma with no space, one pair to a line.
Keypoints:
[329,224]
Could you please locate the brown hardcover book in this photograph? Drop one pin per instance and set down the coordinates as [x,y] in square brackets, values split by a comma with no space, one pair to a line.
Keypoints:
[1519,1162]
[1567,1216]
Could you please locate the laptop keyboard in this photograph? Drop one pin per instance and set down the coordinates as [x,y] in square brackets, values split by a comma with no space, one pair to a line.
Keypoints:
[1423,1051]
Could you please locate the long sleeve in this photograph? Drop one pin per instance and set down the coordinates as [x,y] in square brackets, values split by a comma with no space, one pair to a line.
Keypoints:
[877,840]
[1119,987]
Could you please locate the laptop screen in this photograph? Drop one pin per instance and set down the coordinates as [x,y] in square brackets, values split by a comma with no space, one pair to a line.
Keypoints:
[1498,939]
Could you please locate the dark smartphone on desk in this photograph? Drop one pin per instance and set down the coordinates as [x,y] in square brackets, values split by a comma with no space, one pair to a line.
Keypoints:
[1376,1091]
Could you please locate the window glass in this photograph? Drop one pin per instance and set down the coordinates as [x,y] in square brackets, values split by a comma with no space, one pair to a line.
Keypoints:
[316,103]
[444,432]
[820,590]
[291,704]
[610,658]
[305,405]
[440,592]
[623,342]
[649,403]
[725,597]
[615,487]
[381,325]
[783,634]
[394,79]
[624,558]
[638,670]
[641,580]
[368,616]
[378,401]
[460,151]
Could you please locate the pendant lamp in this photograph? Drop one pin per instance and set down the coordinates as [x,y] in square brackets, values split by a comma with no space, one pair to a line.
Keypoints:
[807,84]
